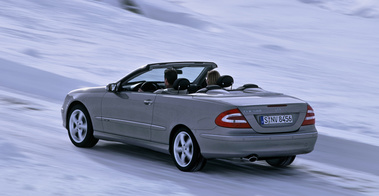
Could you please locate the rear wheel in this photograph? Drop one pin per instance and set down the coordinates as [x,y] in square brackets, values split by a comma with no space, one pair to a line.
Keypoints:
[186,152]
[80,128]
[281,161]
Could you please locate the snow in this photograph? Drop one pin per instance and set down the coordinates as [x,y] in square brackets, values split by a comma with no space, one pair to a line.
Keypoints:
[323,51]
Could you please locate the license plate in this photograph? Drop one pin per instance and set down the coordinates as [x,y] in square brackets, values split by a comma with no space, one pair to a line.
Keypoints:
[280,119]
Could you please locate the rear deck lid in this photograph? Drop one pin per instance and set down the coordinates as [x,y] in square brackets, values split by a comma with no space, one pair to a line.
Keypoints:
[281,115]
[266,112]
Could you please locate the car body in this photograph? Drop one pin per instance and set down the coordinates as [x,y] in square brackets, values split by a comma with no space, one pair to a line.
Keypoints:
[215,122]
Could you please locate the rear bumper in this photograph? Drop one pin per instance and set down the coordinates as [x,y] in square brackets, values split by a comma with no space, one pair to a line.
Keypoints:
[263,145]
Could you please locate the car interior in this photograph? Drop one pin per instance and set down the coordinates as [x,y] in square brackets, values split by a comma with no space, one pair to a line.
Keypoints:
[183,85]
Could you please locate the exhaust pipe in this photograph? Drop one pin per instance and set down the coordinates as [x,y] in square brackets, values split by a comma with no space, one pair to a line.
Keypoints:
[251,158]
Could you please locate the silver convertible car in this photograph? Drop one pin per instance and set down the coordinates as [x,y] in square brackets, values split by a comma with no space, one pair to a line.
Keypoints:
[193,122]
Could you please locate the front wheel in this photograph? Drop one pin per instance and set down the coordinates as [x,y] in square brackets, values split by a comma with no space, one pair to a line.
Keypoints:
[281,161]
[80,128]
[186,152]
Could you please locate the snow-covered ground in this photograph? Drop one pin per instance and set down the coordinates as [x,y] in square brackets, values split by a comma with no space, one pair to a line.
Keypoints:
[323,51]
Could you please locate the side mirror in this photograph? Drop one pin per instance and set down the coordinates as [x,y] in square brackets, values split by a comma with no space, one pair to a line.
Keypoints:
[112,87]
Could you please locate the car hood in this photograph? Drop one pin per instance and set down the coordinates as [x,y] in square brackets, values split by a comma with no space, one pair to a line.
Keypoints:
[89,90]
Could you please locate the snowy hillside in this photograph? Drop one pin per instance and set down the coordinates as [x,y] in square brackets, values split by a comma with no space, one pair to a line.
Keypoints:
[315,52]
[324,52]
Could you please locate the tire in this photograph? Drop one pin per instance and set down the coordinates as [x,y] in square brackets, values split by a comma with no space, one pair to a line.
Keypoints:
[80,128]
[186,152]
[281,161]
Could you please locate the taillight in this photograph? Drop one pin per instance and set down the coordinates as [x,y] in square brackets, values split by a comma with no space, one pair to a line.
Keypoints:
[232,119]
[310,118]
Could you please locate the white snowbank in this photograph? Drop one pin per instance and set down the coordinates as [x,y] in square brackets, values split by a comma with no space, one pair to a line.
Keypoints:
[362,8]
[167,12]
[33,81]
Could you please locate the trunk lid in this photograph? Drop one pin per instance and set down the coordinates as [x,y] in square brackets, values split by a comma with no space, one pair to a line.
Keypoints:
[279,117]
[266,112]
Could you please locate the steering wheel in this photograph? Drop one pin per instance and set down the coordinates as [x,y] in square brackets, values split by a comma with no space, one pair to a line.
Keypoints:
[149,87]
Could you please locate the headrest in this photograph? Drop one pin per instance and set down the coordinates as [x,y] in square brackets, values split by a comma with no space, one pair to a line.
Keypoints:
[181,84]
[245,86]
[250,86]
[225,81]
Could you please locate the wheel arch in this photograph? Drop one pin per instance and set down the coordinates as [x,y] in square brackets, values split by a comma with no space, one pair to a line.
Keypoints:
[88,139]
[72,104]
[175,130]
[196,160]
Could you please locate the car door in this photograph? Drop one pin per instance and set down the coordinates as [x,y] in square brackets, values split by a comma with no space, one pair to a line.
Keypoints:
[128,113]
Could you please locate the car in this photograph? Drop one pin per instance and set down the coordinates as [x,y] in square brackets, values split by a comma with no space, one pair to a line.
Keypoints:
[195,122]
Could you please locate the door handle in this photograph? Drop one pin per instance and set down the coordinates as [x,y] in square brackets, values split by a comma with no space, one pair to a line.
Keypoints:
[148,102]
